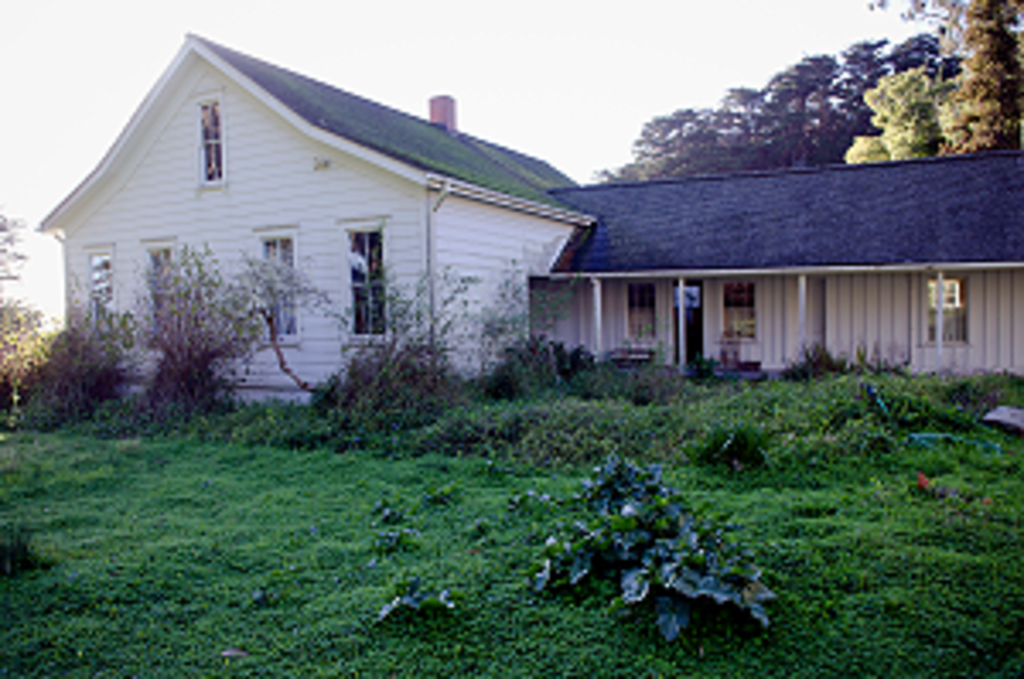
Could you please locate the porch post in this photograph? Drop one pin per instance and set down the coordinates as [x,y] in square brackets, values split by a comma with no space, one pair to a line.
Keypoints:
[939,304]
[801,293]
[595,284]
[681,283]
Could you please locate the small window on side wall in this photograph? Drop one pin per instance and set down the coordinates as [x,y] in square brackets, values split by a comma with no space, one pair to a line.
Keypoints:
[739,311]
[158,278]
[212,141]
[366,266]
[954,309]
[281,251]
[101,282]
[641,311]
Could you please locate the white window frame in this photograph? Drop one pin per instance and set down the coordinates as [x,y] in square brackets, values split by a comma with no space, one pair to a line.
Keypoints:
[152,247]
[278,233]
[648,334]
[957,303]
[726,330]
[92,302]
[220,182]
[374,227]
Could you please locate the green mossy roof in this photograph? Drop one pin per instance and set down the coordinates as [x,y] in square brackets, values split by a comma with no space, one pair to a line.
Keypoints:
[399,135]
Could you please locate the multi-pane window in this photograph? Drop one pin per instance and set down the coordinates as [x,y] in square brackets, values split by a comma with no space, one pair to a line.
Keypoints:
[954,309]
[101,282]
[158,277]
[641,311]
[366,262]
[212,143]
[740,319]
[282,252]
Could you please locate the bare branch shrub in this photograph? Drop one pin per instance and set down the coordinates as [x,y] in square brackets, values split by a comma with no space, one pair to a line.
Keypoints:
[201,327]
[268,287]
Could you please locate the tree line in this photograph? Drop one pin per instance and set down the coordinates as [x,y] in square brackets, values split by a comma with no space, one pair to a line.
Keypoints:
[955,92]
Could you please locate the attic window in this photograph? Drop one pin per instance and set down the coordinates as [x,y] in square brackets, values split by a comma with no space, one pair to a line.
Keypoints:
[212,171]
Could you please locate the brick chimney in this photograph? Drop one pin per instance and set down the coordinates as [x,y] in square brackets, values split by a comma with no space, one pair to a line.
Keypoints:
[442,112]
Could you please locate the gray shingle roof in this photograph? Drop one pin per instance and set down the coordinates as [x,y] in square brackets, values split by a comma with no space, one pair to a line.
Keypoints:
[404,137]
[944,210]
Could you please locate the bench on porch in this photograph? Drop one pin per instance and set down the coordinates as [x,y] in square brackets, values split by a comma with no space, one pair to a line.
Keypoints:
[631,357]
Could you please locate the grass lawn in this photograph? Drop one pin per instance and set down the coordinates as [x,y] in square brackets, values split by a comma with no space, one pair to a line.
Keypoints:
[163,553]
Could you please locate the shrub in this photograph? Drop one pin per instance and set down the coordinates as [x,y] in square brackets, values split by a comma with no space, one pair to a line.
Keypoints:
[84,365]
[200,328]
[21,344]
[16,552]
[740,446]
[403,377]
[815,362]
[531,366]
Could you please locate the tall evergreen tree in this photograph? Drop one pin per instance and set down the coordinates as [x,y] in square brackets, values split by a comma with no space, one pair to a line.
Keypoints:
[989,97]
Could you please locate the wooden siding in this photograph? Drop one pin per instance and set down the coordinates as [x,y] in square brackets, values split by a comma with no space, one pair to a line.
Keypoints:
[500,249]
[875,316]
[271,188]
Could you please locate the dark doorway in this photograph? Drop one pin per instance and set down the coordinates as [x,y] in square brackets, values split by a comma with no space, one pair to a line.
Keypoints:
[694,293]
[693,303]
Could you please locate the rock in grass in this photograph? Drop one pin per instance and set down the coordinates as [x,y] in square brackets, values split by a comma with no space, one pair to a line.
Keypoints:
[1011,419]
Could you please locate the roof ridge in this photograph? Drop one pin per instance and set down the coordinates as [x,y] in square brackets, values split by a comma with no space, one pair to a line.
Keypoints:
[815,169]
[403,136]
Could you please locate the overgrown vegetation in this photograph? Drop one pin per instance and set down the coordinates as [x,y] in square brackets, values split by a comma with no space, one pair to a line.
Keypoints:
[179,555]
[200,329]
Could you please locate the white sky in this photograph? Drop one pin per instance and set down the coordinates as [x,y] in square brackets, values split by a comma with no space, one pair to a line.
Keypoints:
[571,82]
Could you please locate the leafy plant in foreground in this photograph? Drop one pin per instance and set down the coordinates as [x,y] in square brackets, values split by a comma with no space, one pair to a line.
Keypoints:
[411,598]
[656,549]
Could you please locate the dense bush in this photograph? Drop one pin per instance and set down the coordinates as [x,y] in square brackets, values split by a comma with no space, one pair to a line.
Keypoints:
[739,446]
[402,378]
[529,367]
[389,386]
[17,553]
[84,365]
[21,348]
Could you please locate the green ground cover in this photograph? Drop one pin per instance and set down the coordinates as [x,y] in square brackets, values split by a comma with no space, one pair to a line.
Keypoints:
[161,552]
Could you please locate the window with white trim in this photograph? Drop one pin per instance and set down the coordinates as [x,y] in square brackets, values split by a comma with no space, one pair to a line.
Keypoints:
[101,282]
[211,151]
[739,313]
[954,309]
[281,250]
[158,278]
[366,266]
[641,311]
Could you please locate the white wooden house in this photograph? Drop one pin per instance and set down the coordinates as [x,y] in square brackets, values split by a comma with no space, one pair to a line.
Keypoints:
[236,154]
[241,156]
[848,257]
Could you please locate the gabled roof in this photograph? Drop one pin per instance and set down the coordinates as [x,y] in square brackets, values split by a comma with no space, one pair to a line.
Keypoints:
[403,137]
[951,209]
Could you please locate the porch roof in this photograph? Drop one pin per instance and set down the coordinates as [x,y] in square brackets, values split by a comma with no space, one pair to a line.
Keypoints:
[965,210]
